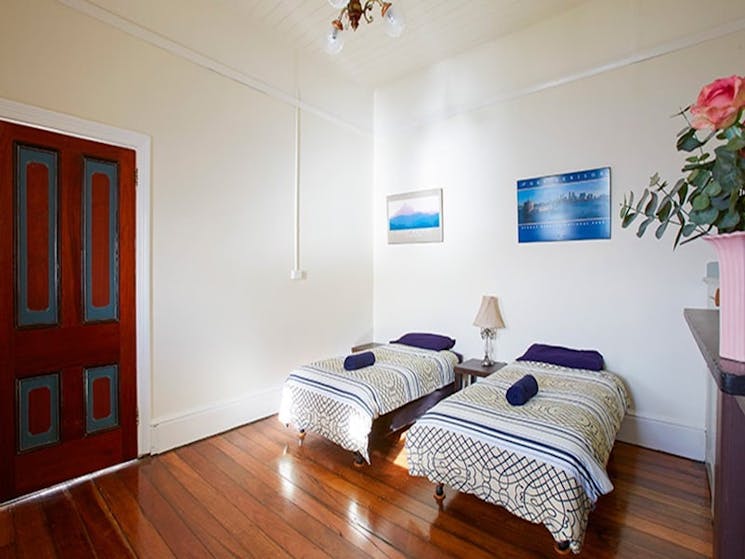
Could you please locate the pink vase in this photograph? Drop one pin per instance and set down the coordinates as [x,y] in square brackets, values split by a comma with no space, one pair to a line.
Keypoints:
[730,249]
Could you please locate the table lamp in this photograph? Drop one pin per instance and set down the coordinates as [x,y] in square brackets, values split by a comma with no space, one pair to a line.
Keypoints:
[489,319]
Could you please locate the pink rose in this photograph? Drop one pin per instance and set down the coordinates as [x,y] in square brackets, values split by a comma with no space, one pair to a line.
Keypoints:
[719,103]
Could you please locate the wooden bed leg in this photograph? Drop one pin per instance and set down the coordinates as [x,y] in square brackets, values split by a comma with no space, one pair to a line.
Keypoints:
[300,437]
[562,548]
[359,461]
[439,493]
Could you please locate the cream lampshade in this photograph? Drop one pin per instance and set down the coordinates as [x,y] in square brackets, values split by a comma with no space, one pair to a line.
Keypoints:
[489,319]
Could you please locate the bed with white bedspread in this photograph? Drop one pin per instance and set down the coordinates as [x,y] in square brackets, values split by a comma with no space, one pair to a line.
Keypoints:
[341,405]
[543,461]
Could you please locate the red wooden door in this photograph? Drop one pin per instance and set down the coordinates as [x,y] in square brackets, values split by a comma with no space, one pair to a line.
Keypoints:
[67,308]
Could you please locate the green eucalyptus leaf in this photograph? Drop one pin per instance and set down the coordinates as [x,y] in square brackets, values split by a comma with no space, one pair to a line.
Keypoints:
[726,170]
[692,159]
[661,229]
[736,144]
[625,208]
[729,221]
[734,200]
[722,203]
[668,197]
[652,205]
[682,191]
[688,228]
[699,177]
[700,165]
[693,166]
[664,212]
[704,217]
[688,141]
[701,202]
[642,200]
[713,189]
[628,219]
[643,226]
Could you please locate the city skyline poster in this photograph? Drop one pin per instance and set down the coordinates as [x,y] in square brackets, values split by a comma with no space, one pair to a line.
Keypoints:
[564,207]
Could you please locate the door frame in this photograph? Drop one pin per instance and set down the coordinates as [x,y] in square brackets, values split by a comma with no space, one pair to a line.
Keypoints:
[28,115]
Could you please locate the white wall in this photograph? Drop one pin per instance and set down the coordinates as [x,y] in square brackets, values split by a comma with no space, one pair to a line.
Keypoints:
[513,109]
[227,322]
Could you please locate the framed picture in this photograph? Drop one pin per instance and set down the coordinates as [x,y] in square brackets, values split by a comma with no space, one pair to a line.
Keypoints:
[415,217]
[567,207]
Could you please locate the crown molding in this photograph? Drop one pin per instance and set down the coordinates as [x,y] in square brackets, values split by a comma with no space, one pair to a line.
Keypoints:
[162,42]
[663,49]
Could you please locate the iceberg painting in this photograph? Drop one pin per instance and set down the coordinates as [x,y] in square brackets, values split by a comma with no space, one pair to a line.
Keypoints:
[415,217]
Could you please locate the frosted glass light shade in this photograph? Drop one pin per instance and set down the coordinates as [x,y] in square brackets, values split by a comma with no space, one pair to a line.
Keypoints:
[489,315]
[394,21]
[334,41]
[338,4]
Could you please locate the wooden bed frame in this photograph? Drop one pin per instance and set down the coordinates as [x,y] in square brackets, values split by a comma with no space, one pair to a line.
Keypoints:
[401,418]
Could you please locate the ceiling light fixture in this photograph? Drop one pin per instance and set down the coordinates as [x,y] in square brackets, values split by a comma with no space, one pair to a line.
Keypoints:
[352,11]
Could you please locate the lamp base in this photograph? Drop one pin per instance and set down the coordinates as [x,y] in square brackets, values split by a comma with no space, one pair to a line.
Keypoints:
[487,334]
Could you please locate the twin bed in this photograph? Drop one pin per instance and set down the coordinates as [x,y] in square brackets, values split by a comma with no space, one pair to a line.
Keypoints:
[341,405]
[543,461]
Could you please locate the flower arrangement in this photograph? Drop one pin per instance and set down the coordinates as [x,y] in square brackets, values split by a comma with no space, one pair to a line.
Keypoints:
[711,195]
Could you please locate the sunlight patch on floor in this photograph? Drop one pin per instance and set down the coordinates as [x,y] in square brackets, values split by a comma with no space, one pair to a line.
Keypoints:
[401,459]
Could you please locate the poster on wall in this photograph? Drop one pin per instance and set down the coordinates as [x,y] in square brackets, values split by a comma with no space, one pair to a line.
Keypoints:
[415,217]
[567,207]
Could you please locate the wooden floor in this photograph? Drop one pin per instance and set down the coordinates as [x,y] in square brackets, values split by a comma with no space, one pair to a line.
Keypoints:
[253,492]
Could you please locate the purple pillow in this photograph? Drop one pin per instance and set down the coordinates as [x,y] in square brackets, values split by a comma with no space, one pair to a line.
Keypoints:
[359,360]
[522,391]
[422,340]
[564,357]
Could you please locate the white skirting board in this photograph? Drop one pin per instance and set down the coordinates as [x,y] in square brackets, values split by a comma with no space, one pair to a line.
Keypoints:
[177,430]
[664,435]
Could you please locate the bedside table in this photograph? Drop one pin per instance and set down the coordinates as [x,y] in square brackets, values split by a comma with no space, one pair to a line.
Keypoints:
[364,347]
[466,372]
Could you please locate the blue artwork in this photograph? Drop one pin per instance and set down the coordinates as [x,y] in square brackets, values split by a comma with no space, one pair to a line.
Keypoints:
[410,218]
[567,207]
[415,217]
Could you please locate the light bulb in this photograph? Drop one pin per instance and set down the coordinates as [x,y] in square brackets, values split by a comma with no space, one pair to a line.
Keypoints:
[334,40]
[338,4]
[394,21]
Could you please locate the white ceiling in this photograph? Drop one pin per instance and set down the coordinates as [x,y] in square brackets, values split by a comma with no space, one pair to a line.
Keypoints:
[435,29]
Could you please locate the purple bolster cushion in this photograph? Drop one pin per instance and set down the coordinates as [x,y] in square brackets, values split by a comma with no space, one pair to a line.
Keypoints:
[522,391]
[359,360]
[423,340]
[564,357]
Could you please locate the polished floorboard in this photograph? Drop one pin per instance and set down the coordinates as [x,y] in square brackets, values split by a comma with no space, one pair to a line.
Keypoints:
[254,492]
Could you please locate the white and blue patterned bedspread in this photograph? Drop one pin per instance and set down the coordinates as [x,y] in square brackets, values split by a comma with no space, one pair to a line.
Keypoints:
[544,461]
[341,405]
